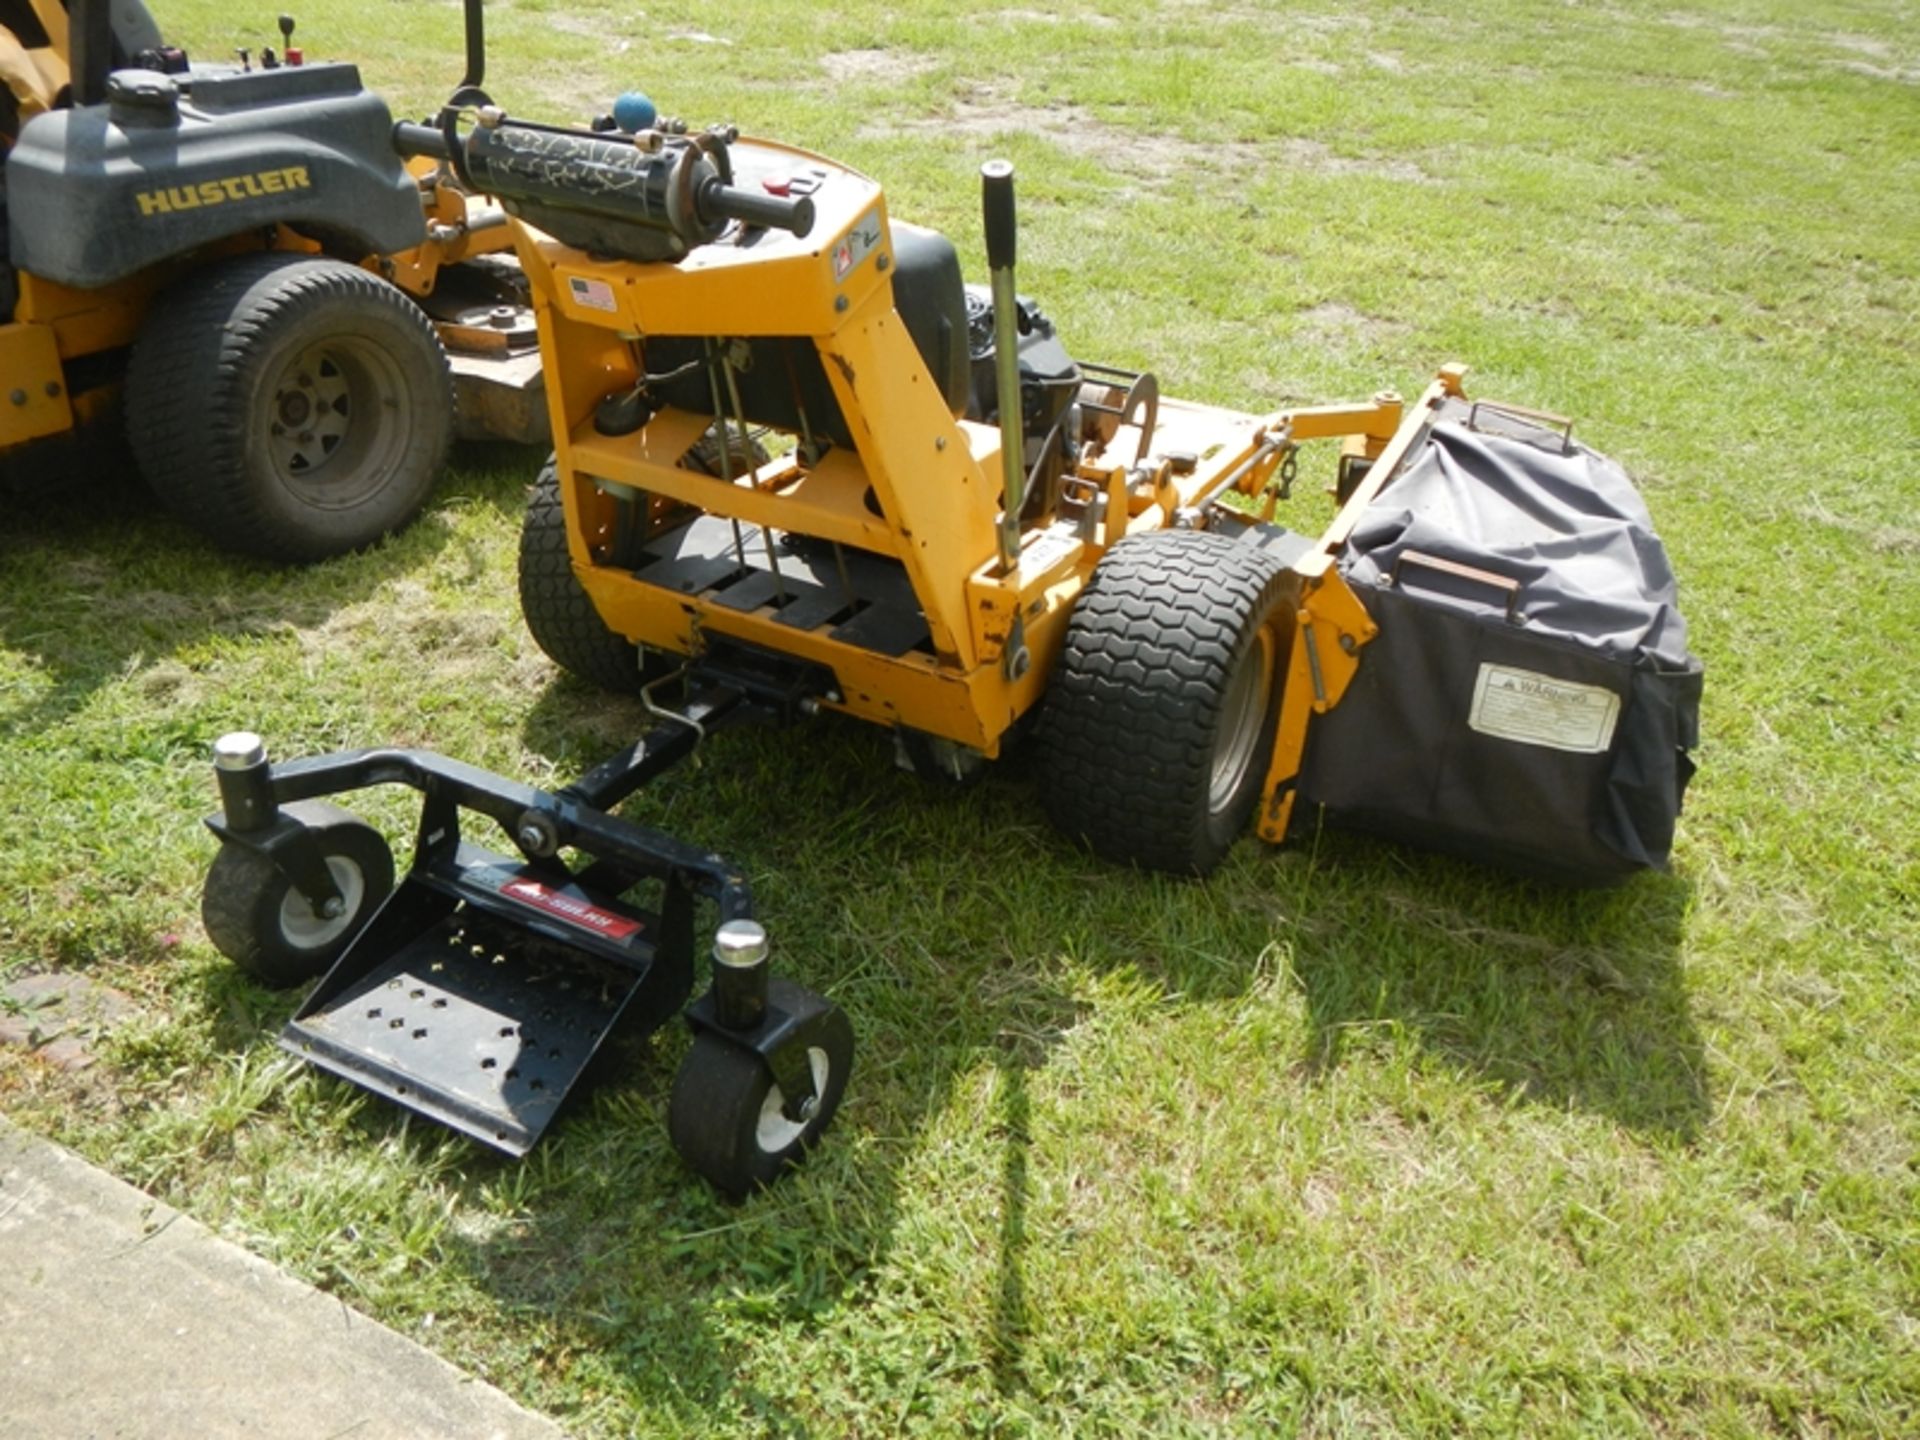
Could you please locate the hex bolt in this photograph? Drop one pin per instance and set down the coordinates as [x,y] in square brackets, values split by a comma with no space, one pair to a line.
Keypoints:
[333,909]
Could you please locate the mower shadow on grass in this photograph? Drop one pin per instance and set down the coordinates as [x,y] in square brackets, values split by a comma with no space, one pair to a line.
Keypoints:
[961,934]
[97,580]
[970,944]
[1559,997]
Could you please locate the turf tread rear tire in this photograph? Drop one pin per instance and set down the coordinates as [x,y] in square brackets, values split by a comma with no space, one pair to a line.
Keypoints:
[559,613]
[196,407]
[1134,706]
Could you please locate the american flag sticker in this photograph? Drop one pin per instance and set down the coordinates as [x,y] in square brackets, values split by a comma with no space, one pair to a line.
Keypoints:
[592,294]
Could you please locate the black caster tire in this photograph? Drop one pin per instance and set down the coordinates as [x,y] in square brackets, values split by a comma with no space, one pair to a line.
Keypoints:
[1159,716]
[259,921]
[289,407]
[726,1117]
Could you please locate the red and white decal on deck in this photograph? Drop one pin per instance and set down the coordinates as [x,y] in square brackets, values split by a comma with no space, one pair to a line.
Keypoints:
[583,913]
[572,908]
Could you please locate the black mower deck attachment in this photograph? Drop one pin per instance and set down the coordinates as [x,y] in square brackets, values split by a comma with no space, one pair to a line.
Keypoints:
[481,989]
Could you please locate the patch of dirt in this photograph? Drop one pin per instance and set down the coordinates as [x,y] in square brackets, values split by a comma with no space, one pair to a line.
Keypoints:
[1319,1198]
[1320,159]
[1887,539]
[1150,156]
[889,65]
[1859,45]
[58,1017]
[1045,17]
[1898,75]
[1891,541]
[1686,20]
[167,682]
[593,27]
[1334,323]
[442,643]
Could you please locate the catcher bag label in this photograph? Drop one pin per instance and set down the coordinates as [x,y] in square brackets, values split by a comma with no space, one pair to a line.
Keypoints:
[177,198]
[567,904]
[1535,709]
[592,294]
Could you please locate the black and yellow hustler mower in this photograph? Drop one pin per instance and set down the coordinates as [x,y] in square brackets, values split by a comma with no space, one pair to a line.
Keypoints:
[232,265]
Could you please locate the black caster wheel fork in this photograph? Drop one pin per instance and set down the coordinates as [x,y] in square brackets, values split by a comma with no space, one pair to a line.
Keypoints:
[766,1072]
[251,819]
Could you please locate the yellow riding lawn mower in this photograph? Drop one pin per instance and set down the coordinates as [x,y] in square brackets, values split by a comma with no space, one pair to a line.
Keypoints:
[240,254]
[801,468]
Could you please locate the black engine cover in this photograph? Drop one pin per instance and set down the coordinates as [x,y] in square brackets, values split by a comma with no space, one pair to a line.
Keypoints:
[99,192]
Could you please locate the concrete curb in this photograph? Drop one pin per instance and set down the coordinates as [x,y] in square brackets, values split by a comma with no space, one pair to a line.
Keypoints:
[122,1317]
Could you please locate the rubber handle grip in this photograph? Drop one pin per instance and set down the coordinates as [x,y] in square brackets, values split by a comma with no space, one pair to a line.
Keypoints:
[996,204]
[723,202]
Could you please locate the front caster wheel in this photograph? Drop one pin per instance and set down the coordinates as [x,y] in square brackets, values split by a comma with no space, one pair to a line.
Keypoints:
[728,1116]
[258,920]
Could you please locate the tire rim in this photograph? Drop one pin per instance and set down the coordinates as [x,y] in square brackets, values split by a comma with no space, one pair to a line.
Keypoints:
[305,928]
[337,421]
[1243,717]
[775,1133]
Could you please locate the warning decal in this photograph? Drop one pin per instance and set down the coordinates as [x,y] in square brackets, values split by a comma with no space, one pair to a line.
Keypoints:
[861,241]
[567,903]
[1536,709]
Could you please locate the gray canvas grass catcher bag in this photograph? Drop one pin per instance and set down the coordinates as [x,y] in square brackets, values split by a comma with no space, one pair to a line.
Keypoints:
[1530,699]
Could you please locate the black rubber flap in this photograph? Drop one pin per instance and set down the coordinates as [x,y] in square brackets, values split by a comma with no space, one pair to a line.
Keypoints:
[1530,699]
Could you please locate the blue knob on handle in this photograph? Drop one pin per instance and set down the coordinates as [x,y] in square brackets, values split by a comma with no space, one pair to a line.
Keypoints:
[634,112]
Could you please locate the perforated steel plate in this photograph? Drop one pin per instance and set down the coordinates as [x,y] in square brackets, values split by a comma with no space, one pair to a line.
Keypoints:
[475,1023]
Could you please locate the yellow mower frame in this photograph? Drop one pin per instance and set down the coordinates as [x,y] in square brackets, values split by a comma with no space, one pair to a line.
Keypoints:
[932,477]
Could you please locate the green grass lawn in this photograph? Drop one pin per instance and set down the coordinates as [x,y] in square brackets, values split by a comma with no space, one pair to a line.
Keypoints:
[1349,1140]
